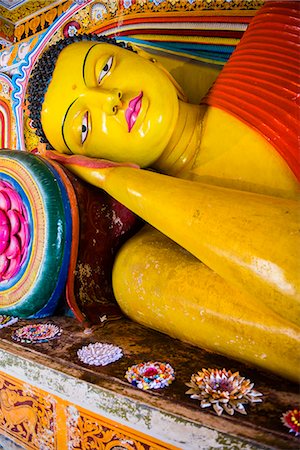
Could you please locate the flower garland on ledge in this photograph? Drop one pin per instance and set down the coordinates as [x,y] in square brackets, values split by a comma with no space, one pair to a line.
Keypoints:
[223,390]
[150,375]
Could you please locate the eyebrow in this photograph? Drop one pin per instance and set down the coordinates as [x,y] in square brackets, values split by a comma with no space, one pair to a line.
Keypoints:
[84,61]
[66,114]
[63,124]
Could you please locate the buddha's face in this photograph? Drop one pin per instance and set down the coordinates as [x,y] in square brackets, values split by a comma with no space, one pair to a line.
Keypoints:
[107,102]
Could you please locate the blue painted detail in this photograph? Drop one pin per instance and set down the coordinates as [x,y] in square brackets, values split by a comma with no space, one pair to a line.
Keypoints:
[208,51]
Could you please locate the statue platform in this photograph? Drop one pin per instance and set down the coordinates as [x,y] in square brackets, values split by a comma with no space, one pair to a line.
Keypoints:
[53,401]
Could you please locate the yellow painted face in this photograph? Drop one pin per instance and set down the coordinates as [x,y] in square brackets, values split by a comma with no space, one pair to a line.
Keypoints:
[107,102]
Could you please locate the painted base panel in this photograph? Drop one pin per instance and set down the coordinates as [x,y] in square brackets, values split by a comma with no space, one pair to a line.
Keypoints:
[49,400]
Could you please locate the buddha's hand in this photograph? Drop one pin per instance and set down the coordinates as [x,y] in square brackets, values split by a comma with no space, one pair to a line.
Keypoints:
[92,170]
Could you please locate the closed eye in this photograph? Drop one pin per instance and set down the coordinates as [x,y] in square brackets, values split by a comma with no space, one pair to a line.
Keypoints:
[105,69]
[84,127]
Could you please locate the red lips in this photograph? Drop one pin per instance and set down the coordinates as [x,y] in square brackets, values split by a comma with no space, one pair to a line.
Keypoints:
[133,110]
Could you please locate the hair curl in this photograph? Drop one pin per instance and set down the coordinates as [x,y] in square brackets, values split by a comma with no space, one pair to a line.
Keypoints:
[42,74]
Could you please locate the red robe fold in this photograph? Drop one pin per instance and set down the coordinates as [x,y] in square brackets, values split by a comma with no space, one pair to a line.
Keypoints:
[260,83]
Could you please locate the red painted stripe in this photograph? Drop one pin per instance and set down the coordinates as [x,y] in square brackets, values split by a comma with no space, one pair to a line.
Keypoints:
[171,19]
[165,32]
[189,19]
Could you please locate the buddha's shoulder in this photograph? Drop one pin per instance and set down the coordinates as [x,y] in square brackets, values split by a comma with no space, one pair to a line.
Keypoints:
[234,155]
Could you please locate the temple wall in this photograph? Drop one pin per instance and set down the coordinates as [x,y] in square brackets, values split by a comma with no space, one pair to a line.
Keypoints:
[98,416]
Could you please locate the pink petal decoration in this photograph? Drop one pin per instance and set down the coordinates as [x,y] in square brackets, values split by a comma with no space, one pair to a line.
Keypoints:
[16,202]
[14,249]
[4,263]
[4,201]
[14,231]
[14,218]
[13,268]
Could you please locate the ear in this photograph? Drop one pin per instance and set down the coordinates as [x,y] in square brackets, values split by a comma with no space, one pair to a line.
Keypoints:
[180,94]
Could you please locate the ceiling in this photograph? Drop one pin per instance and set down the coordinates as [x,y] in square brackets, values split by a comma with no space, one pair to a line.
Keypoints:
[18,10]
[14,13]
[10,4]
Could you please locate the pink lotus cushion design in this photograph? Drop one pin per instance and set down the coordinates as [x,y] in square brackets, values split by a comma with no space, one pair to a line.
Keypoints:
[14,231]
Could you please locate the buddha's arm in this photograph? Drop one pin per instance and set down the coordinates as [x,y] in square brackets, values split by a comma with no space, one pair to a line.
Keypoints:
[251,240]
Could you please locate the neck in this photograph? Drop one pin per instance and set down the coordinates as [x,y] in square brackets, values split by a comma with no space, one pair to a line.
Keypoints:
[183,147]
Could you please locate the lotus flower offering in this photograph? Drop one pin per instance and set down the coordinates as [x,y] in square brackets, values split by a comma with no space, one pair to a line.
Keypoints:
[150,375]
[223,390]
[37,333]
[99,354]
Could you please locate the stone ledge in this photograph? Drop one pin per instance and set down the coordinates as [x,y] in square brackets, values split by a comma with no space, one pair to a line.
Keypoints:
[168,415]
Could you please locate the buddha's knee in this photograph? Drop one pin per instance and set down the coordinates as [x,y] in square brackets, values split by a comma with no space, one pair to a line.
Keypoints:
[162,286]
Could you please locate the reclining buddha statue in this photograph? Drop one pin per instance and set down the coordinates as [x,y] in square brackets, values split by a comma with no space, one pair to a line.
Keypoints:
[217,264]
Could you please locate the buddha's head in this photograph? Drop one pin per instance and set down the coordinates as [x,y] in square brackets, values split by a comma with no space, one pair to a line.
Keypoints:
[102,100]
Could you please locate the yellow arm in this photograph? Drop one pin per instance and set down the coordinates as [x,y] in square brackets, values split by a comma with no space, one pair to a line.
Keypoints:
[251,240]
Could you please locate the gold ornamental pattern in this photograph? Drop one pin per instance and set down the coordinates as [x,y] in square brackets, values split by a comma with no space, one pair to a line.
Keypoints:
[26,416]
[116,8]
[40,22]
[89,433]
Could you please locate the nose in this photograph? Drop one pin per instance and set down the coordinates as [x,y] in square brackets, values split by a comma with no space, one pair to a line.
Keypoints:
[109,100]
